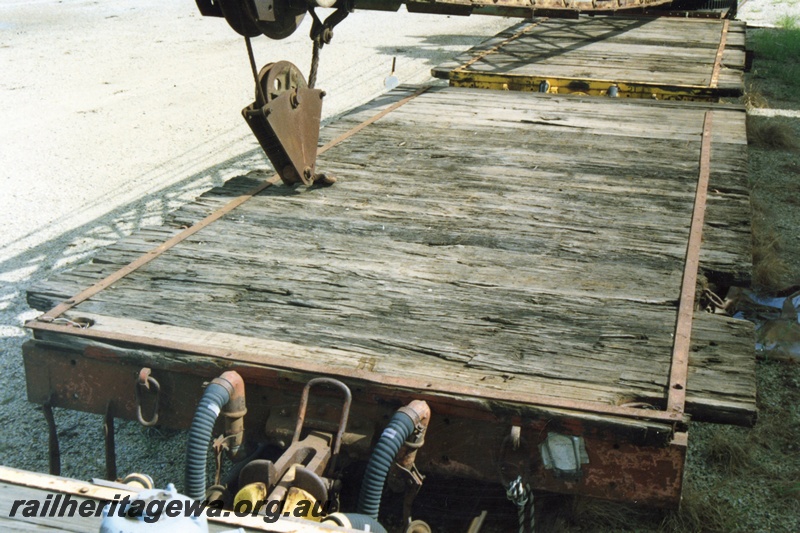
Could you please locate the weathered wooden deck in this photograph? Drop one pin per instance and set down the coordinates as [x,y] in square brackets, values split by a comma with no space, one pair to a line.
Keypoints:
[664,58]
[501,246]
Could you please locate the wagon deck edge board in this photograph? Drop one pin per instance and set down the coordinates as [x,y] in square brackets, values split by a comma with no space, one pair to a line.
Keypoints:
[640,57]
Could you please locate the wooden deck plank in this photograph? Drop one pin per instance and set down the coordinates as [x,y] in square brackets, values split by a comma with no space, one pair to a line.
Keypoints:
[472,236]
[661,52]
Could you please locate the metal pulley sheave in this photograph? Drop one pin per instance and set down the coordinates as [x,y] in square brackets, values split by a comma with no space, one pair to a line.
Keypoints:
[285,118]
[277,19]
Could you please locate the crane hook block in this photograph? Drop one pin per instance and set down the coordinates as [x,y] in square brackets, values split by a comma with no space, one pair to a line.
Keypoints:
[285,118]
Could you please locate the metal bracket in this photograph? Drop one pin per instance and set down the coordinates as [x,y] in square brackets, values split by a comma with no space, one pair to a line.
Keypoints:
[53,448]
[285,118]
[564,455]
[309,458]
[322,32]
[265,10]
[413,479]
[110,444]
[301,414]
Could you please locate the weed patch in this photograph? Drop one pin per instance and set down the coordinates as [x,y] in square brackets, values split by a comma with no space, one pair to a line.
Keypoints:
[771,133]
[777,53]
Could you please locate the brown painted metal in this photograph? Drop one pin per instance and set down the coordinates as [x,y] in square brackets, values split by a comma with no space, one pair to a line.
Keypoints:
[313,453]
[110,444]
[88,378]
[679,368]
[720,50]
[688,15]
[285,118]
[420,411]
[629,461]
[54,451]
[509,8]
[619,471]
[233,411]
[406,476]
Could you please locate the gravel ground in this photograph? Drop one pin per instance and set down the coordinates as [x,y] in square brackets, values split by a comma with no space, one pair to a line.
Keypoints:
[116,113]
[769,13]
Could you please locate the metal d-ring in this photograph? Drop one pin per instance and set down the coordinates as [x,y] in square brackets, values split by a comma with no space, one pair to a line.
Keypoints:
[146,382]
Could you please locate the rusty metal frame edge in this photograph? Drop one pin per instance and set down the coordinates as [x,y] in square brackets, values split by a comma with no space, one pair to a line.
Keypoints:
[723,38]
[679,367]
[461,75]
[602,439]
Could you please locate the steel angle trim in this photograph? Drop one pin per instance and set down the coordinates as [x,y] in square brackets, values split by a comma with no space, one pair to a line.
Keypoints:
[679,367]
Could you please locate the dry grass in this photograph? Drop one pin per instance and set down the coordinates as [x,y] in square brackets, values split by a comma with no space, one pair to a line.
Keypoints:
[771,133]
[788,22]
[729,453]
[754,98]
[778,427]
[698,512]
[609,515]
[771,273]
[745,467]
[580,513]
